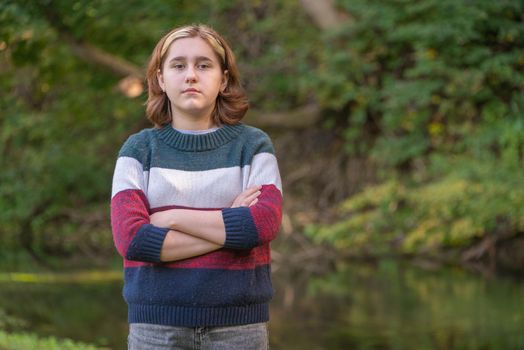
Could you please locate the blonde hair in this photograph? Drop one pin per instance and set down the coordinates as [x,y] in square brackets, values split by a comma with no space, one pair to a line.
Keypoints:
[231,103]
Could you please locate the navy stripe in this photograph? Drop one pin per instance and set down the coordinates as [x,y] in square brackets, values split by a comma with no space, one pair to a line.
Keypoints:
[237,152]
[192,297]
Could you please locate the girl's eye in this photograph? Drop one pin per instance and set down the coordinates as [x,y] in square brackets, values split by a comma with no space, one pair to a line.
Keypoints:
[178,66]
[203,66]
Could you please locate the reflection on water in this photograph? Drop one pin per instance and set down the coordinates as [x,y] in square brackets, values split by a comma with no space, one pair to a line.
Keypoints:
[392,305]
[388,305]
[89,312]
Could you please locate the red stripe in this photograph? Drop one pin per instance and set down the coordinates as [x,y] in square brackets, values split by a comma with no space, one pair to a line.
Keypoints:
[267,213]
[167,207]
[226,259]
[129,211]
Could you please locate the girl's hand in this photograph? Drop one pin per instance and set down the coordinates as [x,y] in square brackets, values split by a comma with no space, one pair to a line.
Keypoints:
[247,198]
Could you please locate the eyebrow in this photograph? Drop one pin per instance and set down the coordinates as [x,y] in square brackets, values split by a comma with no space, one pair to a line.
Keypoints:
[184,58]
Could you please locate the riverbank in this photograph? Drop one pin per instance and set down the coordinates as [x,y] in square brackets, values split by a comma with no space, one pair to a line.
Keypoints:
[348,210]
[353,304]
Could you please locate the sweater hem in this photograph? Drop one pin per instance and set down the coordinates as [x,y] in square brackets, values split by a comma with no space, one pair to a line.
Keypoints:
[184,316]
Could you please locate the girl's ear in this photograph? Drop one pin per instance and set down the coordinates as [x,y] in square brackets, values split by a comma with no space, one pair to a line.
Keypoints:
[160,79]
[225,80]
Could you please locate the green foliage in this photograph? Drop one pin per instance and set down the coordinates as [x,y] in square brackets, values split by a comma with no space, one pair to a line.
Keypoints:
[406,83]
[423,75]
[57,136]
[438,85]
[274,43]
[26,341]
[465,200]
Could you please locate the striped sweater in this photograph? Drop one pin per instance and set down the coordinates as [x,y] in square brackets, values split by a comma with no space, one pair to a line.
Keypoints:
[161,168]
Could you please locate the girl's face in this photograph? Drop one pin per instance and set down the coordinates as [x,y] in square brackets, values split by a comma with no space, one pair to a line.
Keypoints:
[192,77]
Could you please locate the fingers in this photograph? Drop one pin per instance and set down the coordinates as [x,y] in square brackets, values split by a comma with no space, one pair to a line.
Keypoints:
[247,198]
[249,191]
[251,200]
[246,201]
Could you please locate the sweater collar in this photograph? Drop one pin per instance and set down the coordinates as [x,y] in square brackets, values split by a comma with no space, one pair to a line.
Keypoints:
[198,143]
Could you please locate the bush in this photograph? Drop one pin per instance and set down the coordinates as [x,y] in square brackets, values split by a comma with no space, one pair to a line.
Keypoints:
[27,341]
[469,201]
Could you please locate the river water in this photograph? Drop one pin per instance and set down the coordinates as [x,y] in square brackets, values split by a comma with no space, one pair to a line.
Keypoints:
[385,305]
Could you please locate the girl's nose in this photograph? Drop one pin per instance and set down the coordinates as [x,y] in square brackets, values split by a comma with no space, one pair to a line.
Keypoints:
[190,75]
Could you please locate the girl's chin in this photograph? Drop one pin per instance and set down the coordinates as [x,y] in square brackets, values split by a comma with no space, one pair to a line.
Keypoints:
[195,109]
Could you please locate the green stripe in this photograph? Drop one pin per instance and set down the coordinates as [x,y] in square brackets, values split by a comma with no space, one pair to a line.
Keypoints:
[167,148]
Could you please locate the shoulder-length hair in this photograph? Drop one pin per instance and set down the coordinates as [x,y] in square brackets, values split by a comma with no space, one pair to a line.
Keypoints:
[231,103]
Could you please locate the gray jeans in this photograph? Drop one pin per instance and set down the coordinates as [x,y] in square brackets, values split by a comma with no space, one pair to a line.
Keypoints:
[152,337]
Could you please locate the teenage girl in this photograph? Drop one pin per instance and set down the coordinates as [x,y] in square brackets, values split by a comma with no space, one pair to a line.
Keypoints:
[196,201]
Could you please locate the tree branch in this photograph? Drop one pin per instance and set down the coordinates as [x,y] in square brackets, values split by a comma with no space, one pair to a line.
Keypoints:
[324,14]
[302,117]
[87,52]
[92,54]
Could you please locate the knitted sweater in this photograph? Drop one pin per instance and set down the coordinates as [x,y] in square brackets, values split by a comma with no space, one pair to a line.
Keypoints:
[160,169]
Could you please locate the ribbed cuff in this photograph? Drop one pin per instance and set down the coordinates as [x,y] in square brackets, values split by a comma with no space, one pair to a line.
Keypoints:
[147,244]
[241,232]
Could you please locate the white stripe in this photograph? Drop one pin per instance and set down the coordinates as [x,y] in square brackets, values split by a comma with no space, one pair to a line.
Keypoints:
[264,171]
[216,188]
[129,175]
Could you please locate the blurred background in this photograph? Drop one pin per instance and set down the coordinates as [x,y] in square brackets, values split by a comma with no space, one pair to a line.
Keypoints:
[399,129]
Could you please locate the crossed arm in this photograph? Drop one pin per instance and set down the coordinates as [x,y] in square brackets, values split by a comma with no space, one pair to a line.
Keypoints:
[186,239]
